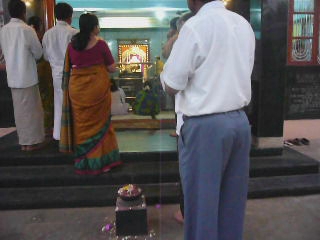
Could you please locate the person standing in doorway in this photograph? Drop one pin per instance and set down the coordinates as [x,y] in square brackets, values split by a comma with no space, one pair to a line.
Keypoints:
[210,66]
[55,42]
[21,48]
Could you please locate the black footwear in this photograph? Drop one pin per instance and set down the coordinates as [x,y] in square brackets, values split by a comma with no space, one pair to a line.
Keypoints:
[288,143]
[304,141]
[295,141]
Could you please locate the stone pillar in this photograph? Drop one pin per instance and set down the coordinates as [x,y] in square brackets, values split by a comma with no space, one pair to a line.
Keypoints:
[269,77]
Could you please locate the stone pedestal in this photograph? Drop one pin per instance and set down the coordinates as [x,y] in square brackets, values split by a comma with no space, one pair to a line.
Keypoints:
[131,217]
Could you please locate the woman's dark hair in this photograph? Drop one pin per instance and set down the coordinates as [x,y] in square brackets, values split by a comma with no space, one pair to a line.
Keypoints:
[36,22]
[63,11]
[17,8]
[87,23]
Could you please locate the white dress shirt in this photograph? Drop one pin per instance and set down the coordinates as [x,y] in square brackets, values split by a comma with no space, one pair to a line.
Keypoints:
[21,47]
[55,42]
[211,62]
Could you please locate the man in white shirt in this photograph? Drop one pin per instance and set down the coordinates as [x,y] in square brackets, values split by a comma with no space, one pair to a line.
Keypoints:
[210,66]
[55,42]
[21,48]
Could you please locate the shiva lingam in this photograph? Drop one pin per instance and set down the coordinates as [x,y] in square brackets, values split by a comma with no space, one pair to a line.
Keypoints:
[131,211]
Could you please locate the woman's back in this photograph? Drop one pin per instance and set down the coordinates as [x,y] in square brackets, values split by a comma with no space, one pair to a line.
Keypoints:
[99,53]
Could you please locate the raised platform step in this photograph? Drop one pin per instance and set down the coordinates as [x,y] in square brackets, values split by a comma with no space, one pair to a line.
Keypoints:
[64,175]
[81,196]
[138,172]
[137,145]
[86,196]
[284,186]
[46,178]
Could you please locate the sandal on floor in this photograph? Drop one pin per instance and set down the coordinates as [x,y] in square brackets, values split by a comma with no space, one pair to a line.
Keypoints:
[304,141]
[295,141]
[288,143]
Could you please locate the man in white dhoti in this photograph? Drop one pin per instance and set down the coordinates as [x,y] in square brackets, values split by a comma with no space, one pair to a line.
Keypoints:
[55,42]
[21,48]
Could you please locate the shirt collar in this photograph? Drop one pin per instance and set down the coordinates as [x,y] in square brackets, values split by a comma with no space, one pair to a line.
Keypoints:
[211,5]
[16,20]
[59,22]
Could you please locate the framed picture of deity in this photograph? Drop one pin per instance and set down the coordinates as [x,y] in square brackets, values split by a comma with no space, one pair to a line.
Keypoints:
[133,55]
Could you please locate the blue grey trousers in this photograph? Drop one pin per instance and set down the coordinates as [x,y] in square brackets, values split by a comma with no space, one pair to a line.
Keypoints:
[214,168]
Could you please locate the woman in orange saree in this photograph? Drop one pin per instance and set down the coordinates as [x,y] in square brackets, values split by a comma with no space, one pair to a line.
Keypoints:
[86,128]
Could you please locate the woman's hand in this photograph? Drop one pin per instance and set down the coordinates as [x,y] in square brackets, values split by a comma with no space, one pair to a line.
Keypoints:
[112,68]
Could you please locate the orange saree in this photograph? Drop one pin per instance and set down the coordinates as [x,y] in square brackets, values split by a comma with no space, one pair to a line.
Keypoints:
[86,122]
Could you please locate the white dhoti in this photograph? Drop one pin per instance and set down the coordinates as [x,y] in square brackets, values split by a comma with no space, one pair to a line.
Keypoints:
[58,98]
[28,114]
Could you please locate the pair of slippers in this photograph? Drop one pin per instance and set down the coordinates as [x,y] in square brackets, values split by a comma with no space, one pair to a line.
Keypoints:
[297,142]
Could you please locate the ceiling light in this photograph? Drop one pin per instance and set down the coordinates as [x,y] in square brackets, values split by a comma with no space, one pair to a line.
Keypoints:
[28,4]
[160,14]
[125,22]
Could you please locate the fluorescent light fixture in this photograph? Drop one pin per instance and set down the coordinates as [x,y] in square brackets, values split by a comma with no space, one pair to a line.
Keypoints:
[126,22]
[160,14]
[87,9]
[152,9]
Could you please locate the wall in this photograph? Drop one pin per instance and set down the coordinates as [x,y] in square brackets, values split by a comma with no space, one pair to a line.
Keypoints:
[301,129]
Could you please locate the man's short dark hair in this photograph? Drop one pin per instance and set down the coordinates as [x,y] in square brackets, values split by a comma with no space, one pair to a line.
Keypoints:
[17,8]
[36,22]
[173,23]
[206,1]
[63,11]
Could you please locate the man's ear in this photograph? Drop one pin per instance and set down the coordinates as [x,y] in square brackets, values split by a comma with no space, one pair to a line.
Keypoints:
[69,20]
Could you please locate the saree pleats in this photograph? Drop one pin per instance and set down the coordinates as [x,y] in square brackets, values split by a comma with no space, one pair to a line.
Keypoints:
[94,142]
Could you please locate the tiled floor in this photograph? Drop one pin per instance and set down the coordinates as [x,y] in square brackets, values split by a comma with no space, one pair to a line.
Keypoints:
[290,218]
[146,141]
